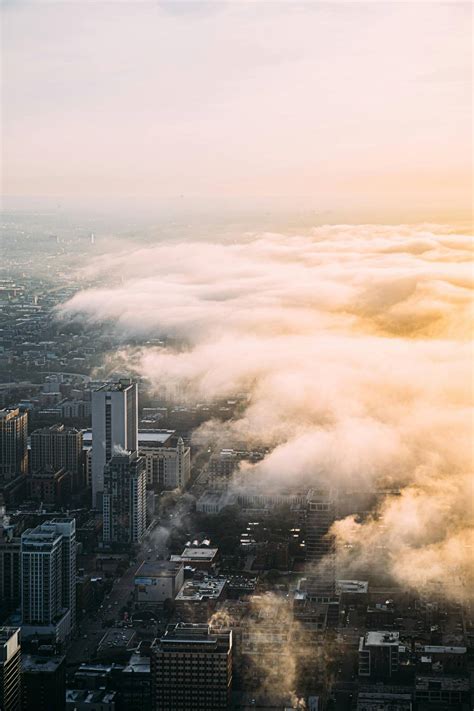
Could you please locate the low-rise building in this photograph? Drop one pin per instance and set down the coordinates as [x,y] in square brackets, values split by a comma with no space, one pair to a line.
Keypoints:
[85,700]
[157,581]
[201,557]
[197,599]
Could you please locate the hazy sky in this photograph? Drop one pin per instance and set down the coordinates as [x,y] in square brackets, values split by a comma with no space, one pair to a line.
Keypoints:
[364,105]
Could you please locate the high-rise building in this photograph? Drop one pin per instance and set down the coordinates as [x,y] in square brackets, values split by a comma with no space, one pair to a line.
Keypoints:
[124,499]
[9,565]
[43,681]
[167,467]
[191,669]
[114,427]
[58,447]
[13,443]
[48,576]
[10,669]
[320,547]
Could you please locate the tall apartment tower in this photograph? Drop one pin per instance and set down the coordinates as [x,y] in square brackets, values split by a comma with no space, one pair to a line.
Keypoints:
[191,668]
[320,547]
[114,426]
[58,447]
[124,499]
[13,443]
[10,669]
[48,575]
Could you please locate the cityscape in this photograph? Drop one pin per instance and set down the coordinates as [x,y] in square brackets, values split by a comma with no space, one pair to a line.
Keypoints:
[235,430]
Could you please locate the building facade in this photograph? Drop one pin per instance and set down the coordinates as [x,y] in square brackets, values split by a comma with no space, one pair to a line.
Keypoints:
[48,575]
[114,426]
[13,443]
[167,467]
[124,499]
[9,565]
[10,669]
[58,447]
[191,669]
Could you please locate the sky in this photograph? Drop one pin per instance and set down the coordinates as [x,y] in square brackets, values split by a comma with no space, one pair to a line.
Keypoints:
[359,108]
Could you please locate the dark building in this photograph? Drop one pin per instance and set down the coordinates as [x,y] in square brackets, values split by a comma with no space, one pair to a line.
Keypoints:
[124,499]
[191,669]
[58,447]
[50,486]
[320,556]
[379,654]
[13,443]
[43,683]
[9,566]
[10,669]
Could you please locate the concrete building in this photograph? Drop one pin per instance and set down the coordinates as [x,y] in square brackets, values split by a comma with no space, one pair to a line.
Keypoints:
[198,597]
[9,564]
[157,581]
[379,655]
[384,701]
[50,486]
[212,502]
[201,557]
[58,447]
[222,464]
[124,499]
[43,681]
[191,668]
[13,443]
[167,467]
[114,426]
[10,669]
[48,578]
[320,551]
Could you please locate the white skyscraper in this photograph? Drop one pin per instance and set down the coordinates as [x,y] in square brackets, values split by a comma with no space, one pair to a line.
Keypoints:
[114,428]
[48,575]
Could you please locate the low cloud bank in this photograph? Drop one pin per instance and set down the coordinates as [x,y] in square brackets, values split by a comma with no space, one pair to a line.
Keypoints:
[353,344]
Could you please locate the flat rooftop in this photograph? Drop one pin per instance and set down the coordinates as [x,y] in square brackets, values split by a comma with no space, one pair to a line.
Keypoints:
[382,639]
[197,590]
[35,663]
[146,438]
[115,638]
[158,569]
[352,586]
[101,696]
[203,553]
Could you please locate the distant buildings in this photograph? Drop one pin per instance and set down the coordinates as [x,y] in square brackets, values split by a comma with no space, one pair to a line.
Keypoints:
[48,578]
[13,443]
[124,499]
[10,669]
[114,428]
[191,668]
